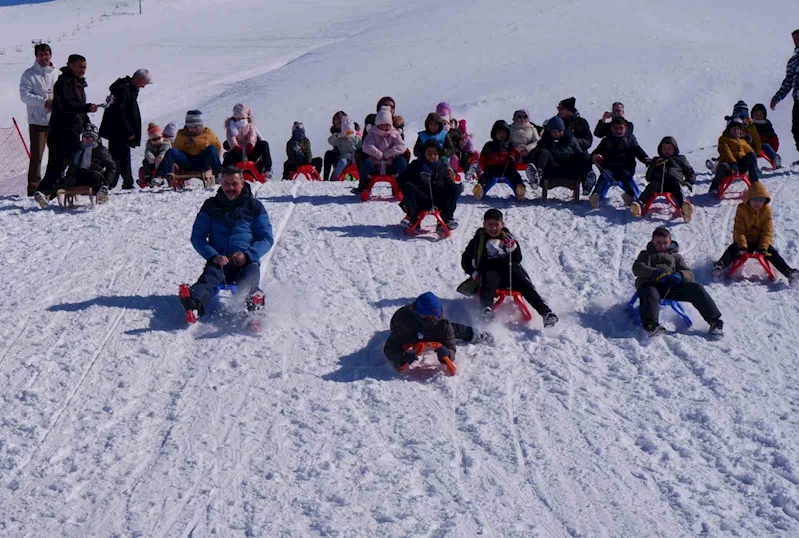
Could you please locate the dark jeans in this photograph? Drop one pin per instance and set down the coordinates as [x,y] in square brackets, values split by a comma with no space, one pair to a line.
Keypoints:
[774,257]
[746,165]
[668,184]
[551,168]
[367,168]
[260,155]
[509,172]
[207,160]
[445,198]
[650,295]
[795,125]
[288,167]
[79,177]
[496,275]
[246,278]
[65,147]
[624,177]
[331,158]
[39,140]
[120,152]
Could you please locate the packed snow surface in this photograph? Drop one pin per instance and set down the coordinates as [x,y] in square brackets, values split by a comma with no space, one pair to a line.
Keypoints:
[116,420]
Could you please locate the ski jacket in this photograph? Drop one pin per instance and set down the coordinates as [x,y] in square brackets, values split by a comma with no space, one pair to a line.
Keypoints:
[752,136]
[496,153]
[767,133]
[439,173]
[562,149]
[791,80]
[240,137]
[620,152]
[732,150]
[675,167]
[408,328]
[578,127]
[442,137]
[754,227]
[122,119]
[151,151]
[650,264]
[195,145]
[224,227]
[70,111]
[603,128]
[34,84]
[483,251]
[303,156]
[383,145]
[102,165]
[524,136]
[346,144]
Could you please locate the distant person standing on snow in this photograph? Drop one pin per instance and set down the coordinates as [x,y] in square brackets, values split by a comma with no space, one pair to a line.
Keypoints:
[121,124]
[69,116]
[36,91]
[791,82]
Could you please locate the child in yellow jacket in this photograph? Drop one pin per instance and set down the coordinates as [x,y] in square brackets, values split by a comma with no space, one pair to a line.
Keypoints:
[196,148]
[753,231]
[735,155]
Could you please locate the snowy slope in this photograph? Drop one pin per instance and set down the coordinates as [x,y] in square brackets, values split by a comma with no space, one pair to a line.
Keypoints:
[119,421]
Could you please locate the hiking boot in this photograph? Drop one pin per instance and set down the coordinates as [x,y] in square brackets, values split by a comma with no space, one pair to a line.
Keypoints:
[487,314]
[451,224]
[711,165]
[40,199]
[550,319]
[717,327]
[654,329]
[472,172]
[256,302]
[532,175]
[777,161]
[102,195]
[589,182]
[628,199]
[520,191]
[687,211]
[594,200]
[405,223]
[635,209]
[478,192]
[718,270]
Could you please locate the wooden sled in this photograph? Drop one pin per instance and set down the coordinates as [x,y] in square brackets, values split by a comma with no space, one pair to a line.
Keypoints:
[66,196]
[551,183]
[180,179]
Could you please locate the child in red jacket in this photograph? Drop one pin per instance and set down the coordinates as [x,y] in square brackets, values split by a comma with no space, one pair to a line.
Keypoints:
[498,159]
[768,137]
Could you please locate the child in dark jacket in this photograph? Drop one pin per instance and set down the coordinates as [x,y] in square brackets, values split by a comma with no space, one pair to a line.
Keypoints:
[91,166]
[559,156]
[498,159]
[298,151]
[424,321]
[430,175]
[493,260]
[668,173]
[616,156]
[434,129]
[768,137]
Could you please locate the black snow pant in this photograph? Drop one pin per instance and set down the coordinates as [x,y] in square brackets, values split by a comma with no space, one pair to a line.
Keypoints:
[246,278]
[795,125]
[577,167]
[260,155]
[120,152]
[80,177]
[746,165]
[332,157]
[65,146]
[773,257]
[288,167]
[445,198]
[668,184]
[497,275]
[509,172]
[651,293]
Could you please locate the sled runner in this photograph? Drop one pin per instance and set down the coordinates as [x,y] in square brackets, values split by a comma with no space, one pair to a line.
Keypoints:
[669,199]
[391,180]
[502,294]
[741,261]
[551,183]
[66,196]
[494,180]
[674,305]
[435,213]
[729,180]
[306,170]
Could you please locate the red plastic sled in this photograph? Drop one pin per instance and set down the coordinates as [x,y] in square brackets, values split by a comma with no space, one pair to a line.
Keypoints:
[250,172]
[729,180]
[349,170]
[669,198]
[503,294]
[421,348]
[762,155]
[381,179]
[306,170]
[764,263]
[431,213]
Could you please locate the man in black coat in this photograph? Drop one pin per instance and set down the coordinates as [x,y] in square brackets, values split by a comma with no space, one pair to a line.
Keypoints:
[70,115]
[121,124]
[574,123]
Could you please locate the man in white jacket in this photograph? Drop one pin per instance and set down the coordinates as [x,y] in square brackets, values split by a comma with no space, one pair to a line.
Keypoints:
[36,91]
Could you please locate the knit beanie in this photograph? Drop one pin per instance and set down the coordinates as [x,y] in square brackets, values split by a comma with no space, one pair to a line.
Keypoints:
[570,104]
[347,124]
[171,130]
[740,110]
[90,129]
[735,121]
[521,111]
[556,124]
[427,304]
[444,110]
[298,130]
[241,112]
[462,127]
[153,131]
[194,118]
[384,118]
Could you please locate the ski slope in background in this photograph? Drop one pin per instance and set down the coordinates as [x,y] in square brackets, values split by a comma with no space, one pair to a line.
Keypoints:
[117,420]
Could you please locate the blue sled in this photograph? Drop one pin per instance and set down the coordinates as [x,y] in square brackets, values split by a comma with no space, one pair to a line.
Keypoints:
[675,305]
[495,180]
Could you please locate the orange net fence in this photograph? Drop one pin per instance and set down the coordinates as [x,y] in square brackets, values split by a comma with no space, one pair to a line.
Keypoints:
[14,161]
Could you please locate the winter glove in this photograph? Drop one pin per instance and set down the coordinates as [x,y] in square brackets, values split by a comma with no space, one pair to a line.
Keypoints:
[249,149]
[443,352]
[409,357]
[735,168]
[675,279]
[151,160]
[661,275]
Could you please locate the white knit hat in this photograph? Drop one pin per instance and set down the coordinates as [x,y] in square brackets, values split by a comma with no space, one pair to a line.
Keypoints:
[384,118]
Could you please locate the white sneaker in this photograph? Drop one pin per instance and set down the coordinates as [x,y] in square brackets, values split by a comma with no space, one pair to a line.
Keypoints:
[102,195]
[487,314]
[40,199]
[711,165]
[472,172]
[532,175]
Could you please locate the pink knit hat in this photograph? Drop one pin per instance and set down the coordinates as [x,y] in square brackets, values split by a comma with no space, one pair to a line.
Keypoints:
[241,112]
[444,110]
[153,131]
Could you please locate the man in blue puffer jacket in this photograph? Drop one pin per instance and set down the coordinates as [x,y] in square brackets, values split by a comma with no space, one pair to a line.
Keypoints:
[232,232]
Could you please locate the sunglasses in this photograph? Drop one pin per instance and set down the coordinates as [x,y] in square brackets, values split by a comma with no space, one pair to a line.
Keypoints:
[156,138]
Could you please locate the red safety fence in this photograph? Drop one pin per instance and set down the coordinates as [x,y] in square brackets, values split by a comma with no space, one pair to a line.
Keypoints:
[14,161]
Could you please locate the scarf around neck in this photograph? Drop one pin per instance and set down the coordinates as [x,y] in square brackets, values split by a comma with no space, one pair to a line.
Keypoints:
[83,158]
